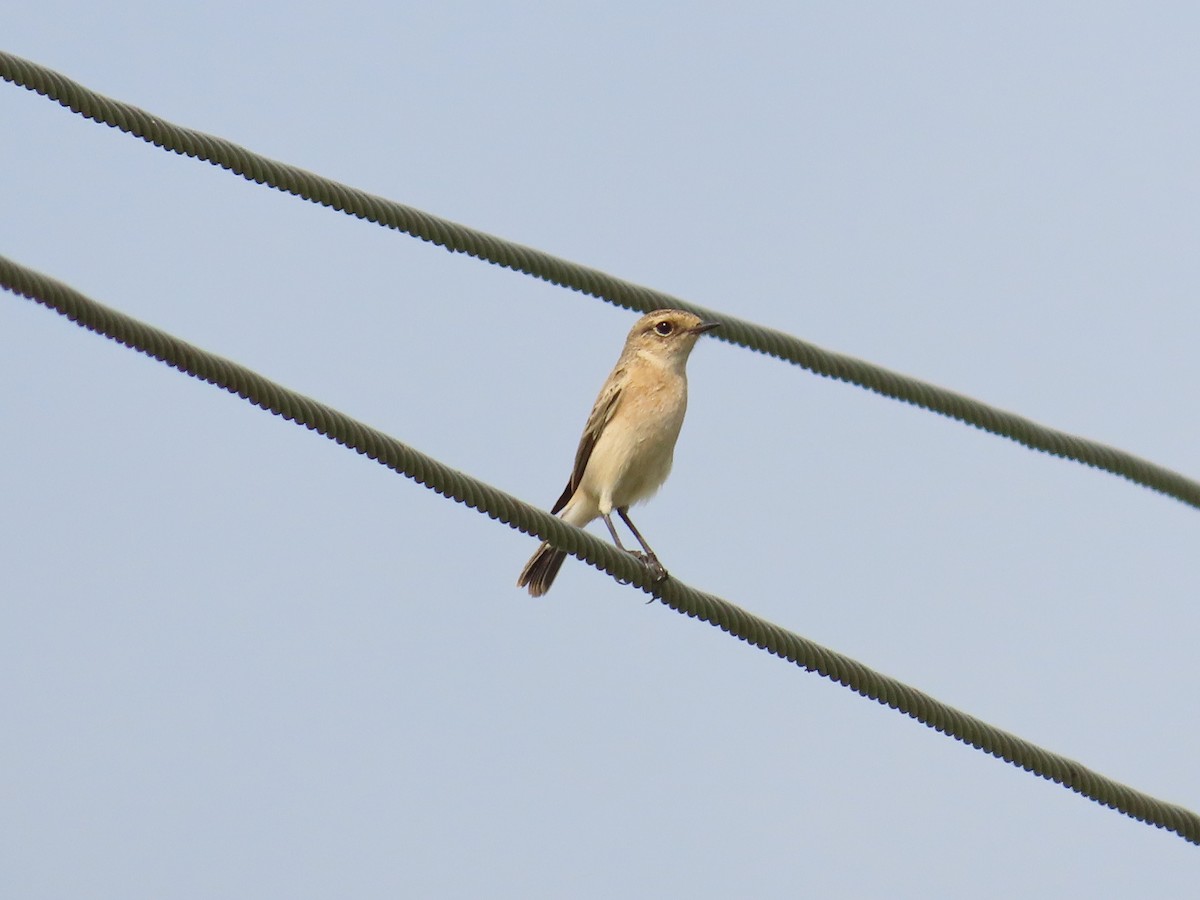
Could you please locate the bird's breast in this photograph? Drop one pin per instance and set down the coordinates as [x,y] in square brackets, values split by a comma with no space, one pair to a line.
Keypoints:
[633,454]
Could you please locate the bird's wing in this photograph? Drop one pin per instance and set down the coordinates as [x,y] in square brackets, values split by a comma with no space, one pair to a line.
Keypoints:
[601,415]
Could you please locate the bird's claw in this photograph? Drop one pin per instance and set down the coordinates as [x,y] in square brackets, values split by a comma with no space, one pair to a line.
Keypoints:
[650,561]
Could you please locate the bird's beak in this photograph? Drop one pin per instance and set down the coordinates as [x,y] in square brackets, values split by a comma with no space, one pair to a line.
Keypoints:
[705,326]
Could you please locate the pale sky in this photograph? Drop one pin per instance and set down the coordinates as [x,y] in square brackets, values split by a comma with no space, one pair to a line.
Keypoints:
[237,660]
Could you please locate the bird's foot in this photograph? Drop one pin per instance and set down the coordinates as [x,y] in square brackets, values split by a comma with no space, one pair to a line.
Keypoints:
[650,561]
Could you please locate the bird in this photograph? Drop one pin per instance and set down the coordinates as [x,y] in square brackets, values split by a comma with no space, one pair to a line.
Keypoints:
[628,444]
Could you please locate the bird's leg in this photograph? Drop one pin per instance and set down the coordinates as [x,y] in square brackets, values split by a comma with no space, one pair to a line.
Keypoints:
[650,559]
[617,540]
[615,537]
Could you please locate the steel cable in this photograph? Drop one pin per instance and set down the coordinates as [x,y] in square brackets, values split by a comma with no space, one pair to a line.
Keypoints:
[461,239]
[497,504]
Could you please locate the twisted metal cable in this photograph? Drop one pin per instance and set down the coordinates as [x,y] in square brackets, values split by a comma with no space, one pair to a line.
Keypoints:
[461,239]
[497,504]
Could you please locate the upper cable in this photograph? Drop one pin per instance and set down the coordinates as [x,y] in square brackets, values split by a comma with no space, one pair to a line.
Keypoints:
[481,245]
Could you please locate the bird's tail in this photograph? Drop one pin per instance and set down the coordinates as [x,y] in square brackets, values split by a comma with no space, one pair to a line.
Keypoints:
[539,572]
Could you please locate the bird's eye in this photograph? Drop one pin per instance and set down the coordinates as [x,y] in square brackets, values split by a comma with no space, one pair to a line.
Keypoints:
[664,328]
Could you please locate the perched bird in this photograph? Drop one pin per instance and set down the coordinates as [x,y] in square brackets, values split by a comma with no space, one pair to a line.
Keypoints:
[626,450]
